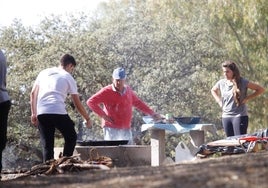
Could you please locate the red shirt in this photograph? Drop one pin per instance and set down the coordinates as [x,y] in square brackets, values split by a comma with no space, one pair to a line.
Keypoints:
[117,106]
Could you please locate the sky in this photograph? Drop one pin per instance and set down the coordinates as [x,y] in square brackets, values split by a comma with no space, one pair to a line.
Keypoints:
[31,12]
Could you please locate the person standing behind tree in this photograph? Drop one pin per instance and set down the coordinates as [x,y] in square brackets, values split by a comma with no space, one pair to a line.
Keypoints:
[114,104]
[231,95]
[5,105]
[48,109]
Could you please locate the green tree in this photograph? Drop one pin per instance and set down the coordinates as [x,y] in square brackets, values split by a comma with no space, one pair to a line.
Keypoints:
[241,29]
[172,51]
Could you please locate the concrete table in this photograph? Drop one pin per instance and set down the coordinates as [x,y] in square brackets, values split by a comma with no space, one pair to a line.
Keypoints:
[196,132]
[122,155]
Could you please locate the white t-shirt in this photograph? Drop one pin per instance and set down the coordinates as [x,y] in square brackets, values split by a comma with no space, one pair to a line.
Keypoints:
[54,85]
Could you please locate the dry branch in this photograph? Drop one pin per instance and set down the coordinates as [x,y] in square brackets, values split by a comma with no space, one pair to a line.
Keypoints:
[68,164]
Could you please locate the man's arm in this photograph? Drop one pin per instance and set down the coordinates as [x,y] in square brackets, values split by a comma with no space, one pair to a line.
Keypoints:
[80,108]
[96,100]
[142,106]
[33,101]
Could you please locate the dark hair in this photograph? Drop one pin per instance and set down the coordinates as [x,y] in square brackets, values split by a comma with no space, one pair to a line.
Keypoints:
[67,59]
[236,79]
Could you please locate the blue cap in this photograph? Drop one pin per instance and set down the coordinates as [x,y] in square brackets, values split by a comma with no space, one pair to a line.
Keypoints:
[119,74]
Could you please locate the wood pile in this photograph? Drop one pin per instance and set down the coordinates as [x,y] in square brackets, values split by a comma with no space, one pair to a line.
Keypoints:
[66,164]
[69,164]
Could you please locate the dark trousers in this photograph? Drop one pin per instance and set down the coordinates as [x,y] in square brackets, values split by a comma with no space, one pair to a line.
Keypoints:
[234,126]
[4,110]
[48,123]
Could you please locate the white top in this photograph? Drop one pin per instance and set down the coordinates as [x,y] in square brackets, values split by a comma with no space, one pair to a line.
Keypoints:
[54,85]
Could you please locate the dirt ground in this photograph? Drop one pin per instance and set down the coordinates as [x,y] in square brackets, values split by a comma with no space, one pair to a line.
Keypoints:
[240,170]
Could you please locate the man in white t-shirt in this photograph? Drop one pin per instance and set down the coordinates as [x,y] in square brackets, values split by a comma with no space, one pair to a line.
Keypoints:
[48,95]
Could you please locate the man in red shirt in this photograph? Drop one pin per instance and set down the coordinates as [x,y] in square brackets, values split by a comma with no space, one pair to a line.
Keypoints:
[114,103]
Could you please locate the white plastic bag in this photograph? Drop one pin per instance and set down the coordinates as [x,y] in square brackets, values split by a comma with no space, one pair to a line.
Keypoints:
[183,153]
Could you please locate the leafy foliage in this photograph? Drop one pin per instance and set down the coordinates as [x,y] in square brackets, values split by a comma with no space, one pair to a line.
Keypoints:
[172,51]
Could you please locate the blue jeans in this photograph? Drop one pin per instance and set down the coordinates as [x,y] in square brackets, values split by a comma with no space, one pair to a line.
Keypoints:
[234,126]
[48,123]
[4,111]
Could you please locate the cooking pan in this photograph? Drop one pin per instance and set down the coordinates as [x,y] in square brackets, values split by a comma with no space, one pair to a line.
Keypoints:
[188,120]
[102,142]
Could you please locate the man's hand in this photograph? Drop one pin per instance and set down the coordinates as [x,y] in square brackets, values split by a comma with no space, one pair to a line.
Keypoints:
[34,119]
[157,117]
[107,118]
[87,123]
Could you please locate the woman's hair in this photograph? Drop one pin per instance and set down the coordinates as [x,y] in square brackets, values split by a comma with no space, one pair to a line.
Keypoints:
[67,59]
[236,79]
